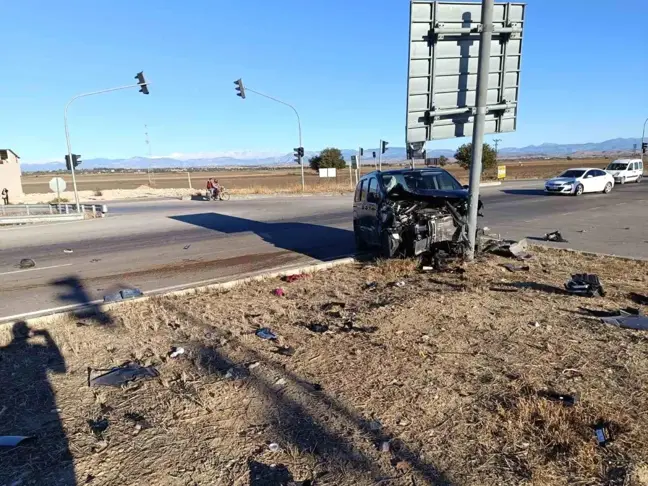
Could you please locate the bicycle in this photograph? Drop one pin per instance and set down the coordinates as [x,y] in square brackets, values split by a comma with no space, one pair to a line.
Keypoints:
[223,195]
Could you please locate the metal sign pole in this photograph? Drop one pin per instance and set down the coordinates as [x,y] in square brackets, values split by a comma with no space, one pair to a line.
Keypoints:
[380,155]
[480,119]
[643,135]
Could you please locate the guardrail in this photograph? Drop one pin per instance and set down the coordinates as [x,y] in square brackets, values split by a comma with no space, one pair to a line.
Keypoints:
[97,210]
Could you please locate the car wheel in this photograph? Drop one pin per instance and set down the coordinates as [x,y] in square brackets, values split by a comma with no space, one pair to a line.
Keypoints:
[608,188]
[579,190]
[360,243]
[623,180]
[639,179]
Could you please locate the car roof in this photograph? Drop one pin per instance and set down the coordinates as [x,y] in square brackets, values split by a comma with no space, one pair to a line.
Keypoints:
[625,161]
[582,168]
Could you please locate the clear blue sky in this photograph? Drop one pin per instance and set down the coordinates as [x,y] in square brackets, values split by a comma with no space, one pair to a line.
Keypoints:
[341,62]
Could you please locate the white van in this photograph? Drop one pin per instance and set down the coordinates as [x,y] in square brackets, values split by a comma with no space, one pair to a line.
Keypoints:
[625,170]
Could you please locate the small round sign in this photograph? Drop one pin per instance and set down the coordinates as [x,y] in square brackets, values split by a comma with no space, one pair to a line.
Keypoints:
[57,185]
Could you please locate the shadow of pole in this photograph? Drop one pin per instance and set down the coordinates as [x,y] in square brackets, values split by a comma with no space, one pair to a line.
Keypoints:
[306,433]
[77,294]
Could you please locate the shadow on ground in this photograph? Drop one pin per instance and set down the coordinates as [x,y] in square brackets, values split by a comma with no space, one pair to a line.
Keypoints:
[28,408]
[74,292]
[296,417]
[525,192]
[313,240]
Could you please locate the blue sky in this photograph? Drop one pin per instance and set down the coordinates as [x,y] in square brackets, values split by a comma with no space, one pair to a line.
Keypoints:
[342,63]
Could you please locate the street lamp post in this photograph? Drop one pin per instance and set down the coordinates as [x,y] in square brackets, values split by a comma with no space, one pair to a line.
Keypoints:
[143,85]
[242,90]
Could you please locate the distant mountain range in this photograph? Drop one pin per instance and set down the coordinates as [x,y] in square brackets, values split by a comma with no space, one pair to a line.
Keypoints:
[394,154]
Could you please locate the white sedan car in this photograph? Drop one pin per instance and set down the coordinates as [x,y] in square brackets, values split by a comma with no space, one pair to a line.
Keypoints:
[578,181]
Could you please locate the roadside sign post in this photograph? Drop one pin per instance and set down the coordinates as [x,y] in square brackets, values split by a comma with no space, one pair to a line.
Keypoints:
[501,172]
[456,85]
[57,185]
[380,156]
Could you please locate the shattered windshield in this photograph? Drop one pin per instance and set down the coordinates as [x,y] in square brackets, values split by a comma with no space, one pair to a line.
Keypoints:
[421,181]
[617,166]
[572,174]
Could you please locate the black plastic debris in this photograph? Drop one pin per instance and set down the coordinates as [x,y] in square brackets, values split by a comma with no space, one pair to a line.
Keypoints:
[186,247]
[27,263]
[563,398]
[237,373]
[556,237]
[98,427]
[285,351]
[638,298]
[12,440]
[638,323]
[626,311]
[123,295]
[511,267]
[602,433]
[585,284]
[123,374]
[319,328]
[266,333]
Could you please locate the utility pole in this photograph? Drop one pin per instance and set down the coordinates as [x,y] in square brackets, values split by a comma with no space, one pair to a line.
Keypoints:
[483,68]
[380,155]
[643,141]
[497,141]
[141,84]
[241,90]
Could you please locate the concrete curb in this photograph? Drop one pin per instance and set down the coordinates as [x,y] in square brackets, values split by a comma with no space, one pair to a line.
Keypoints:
[490,184]
[50,315]
[46,218]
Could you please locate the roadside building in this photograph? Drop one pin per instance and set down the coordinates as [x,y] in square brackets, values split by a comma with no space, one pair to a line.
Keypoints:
[10,174]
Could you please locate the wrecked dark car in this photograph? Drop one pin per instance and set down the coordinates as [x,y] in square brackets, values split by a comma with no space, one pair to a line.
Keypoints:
[410,212]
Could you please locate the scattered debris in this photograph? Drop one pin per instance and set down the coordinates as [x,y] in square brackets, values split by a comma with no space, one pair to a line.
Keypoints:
[511,267]
[426,268]
[138,419]
[627,311]
[27,263]
[638,298]
[295,277]
[285,351]
[320,328]
[280,382]
[384,446]
[585,284]
[176,351]
[375,425]
[122,374]
[123,295]
[12,440]
[237,373]
[279,292]
[68,250]
[564,399]
[602,433]
[534,324]
[399,284]
[556,237]
[638,323]
[95,260]
[265,333]
[98,427]
[186,247]
[371,285]
[256,364]
[274,447]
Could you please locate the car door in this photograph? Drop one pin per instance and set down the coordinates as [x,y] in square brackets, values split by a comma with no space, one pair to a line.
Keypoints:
[589,182]
[601,179]
[372,205]
[634,171]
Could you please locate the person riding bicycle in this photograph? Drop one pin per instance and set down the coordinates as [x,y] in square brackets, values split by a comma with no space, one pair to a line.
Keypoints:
[217,189]
[210,187]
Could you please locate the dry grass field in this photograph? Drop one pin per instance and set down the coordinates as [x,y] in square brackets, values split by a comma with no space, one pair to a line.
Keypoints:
[444,379]
[260,181]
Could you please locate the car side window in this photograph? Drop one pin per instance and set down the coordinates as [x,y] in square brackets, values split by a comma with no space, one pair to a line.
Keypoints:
[598,173]
[589,174]
[634,166]
[358,194]
[373,196]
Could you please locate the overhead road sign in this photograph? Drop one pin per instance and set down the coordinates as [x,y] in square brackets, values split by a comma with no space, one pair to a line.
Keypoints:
[442,69]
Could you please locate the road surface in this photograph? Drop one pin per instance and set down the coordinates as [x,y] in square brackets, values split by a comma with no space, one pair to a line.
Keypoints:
[155,245]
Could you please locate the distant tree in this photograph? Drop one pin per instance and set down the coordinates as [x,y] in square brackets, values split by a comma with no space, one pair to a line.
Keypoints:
[464,156]
[443,161]
[568,157]
[327,159]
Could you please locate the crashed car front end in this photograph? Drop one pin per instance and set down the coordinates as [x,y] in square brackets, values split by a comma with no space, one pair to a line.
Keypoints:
[414,223]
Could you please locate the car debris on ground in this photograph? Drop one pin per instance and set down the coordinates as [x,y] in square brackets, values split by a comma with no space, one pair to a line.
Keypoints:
[562,398]
[27,263]
[266,333]
[12,440]
[511,267]
[121,375]
[123,295]
[556,237]
[279,292]
[318,328]
[295,277]
[176,351]
[638,323]
[585,284]
[98,426]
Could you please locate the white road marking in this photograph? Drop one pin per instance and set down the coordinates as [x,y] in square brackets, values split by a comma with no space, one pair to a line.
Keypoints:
[36,268]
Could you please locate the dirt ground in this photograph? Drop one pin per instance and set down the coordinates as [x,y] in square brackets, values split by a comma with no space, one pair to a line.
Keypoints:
[439,380]
[255,181]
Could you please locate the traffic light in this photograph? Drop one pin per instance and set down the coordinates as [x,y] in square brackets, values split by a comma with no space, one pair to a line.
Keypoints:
[142,82]
[299,153]
[361,151]
[76,160]
[374,155]
[240,90]
[383,146]
[644,147]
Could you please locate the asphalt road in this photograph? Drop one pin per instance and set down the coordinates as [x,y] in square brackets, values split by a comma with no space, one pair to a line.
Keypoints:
[156,245]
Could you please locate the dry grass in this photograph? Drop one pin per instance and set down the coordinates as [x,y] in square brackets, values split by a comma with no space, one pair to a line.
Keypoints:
[294,188]
[444,369]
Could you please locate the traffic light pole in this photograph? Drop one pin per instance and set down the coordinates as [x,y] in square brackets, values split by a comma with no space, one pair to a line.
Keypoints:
[67,133]
[380,156]
[301,161]
[483,68]
[643,139]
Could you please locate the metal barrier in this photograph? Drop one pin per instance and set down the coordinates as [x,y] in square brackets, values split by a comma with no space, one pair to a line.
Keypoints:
[97,210]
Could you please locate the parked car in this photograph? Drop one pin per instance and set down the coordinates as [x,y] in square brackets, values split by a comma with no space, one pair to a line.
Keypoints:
[626,170]
[579,181]
[410,211]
